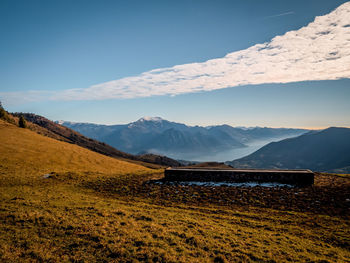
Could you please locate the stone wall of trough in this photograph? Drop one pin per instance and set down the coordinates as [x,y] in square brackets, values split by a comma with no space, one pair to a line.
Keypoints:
[295,178]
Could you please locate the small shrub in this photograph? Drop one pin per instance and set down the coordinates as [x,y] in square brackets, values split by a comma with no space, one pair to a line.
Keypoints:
[22,122]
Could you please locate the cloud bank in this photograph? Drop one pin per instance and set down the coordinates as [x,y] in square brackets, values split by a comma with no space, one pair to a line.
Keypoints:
[318,51]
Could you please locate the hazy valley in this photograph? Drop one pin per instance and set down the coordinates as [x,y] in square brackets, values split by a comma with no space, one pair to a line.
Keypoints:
[179,141]
[326,150]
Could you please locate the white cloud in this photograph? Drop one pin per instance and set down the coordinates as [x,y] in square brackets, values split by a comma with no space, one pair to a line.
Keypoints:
[318,51]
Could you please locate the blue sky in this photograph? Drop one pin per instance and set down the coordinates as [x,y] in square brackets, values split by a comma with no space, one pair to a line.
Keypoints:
[55,46]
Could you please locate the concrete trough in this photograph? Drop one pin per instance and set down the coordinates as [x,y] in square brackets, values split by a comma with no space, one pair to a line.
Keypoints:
[292,177]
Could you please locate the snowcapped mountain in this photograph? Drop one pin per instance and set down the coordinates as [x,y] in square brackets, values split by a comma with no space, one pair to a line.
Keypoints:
[154,119]
[157,135]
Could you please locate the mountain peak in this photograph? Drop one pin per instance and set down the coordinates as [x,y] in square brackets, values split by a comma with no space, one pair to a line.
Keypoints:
[154,119]
[60,122]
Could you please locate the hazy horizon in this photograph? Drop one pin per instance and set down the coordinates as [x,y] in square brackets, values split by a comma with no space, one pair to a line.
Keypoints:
[235,125]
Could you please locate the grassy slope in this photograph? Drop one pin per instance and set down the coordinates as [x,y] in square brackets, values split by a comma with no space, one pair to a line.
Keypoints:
[51,129]
[25,153]
[61,219]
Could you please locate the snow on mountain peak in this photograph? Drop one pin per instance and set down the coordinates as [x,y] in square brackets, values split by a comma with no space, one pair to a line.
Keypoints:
[155,119]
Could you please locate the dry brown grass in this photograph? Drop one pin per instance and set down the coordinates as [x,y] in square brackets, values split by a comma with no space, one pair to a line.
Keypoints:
[77,215]
[26,154]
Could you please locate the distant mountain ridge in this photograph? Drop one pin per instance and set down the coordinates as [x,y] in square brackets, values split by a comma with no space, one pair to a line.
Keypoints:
[156,135]
[63,133]
[324,151]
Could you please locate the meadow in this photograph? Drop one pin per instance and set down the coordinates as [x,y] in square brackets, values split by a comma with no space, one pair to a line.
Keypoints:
[94,208]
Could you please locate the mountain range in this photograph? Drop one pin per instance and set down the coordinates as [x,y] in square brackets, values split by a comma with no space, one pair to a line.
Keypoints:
[159,136]
[46,127]
[324,151]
